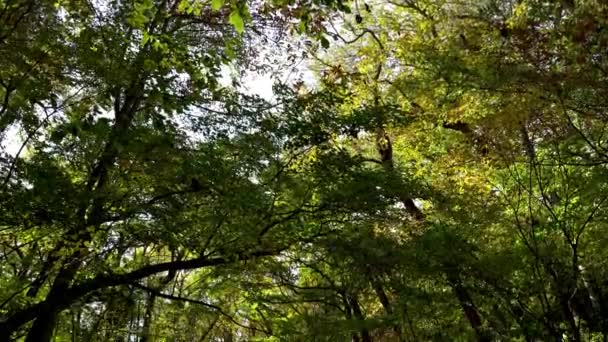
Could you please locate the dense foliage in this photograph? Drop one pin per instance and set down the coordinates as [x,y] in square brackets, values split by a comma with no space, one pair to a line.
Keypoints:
[443,177]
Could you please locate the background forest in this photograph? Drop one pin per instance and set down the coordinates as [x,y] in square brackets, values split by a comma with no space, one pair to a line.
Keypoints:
[442,176]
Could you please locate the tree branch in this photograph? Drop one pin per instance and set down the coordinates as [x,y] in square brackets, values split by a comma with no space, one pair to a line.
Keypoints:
[72,294]
[195,301]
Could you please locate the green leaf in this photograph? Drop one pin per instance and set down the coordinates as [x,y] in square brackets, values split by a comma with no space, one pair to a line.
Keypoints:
[183,5]
[157,45]
[149,64]
[237,21]
[217,4]
[145,38]
[230,52]
[324,42]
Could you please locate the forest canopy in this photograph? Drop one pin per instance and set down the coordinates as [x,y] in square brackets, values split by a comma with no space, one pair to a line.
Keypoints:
[426,170]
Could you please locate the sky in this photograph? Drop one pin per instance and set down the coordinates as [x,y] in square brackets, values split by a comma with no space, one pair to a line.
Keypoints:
[12,143]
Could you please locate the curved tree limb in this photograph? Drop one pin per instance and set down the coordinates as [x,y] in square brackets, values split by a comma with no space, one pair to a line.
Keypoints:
[67,297]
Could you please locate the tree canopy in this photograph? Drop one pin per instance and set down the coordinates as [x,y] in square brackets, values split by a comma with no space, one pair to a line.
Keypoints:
[440,174]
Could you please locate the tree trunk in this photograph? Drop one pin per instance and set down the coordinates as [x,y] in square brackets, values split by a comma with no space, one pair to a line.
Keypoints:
[348,314]
[385,152]
[145,332]
[383,298]
[76,324]
[569,316]
[466,302]
[365,336]
[43,327]
[44,324]
[152,299]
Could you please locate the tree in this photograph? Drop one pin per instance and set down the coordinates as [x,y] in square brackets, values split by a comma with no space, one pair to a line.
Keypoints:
[489,100]
[444,178]
[111,172]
